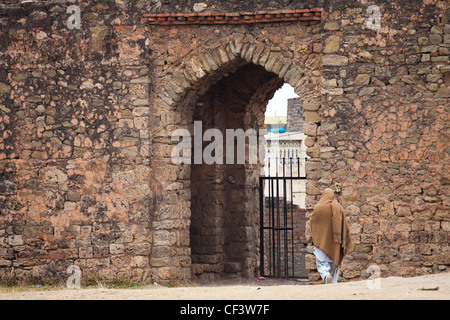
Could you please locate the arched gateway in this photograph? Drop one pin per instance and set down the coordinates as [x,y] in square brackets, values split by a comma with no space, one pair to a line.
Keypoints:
[207,218]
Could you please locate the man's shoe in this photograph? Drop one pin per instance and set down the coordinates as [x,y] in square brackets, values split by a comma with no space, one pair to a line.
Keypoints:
[327,279]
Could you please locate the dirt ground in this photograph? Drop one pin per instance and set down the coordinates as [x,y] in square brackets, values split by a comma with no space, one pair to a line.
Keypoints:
[429,287]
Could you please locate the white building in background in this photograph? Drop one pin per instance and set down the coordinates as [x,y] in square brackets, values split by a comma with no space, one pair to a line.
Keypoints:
[289,146]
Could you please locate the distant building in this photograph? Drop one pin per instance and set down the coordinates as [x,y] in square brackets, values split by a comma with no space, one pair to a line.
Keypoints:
[295,117]
[290,143]
[274,122]
[287,145]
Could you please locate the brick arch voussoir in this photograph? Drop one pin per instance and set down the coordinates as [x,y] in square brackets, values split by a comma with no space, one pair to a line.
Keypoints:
[207,62]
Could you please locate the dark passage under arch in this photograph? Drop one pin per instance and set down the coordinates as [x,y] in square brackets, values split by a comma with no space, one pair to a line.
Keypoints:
[224,230]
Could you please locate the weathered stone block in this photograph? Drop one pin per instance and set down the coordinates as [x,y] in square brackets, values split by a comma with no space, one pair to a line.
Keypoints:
[311,106]
[38,15]
[87,85]
[55,176]
[435,38]
[362,80]
[312,116]
[116,248]
[334,60]
[70,206]
[164,238]
[442,92]
[445,225]
[139,262]
[331,26]
[161,262]
[410,189]
[73,196]
[15,240]
[140,80]
[310,262]
[5,263]
[53,200]
[7,188]
[140,102]
[367,91]
[331,44]
[4,88]
[310,129]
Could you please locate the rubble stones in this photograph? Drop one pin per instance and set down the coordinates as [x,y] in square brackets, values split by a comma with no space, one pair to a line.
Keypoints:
[386,201]
[5,88]
[334,60]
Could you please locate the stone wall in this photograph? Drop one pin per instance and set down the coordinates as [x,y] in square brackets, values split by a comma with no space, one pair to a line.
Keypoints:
[74,166]
[295,117]
[383,134]
[86,118]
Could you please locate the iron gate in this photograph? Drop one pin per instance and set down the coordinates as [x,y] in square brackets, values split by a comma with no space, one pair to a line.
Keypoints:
[280,193]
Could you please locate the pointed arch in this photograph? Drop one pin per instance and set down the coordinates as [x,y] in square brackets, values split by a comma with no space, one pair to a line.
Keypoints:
[194,70]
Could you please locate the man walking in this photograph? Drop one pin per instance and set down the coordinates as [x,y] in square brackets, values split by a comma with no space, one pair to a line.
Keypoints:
[331,236]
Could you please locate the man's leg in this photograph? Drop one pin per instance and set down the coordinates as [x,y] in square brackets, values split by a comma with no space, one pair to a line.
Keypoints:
[323,268]
[323,265]
[334,274]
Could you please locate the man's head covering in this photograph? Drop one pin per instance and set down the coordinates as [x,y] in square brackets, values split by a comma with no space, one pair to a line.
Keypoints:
[329,228]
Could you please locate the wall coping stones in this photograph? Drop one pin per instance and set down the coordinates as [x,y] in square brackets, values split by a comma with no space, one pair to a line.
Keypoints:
[305,16]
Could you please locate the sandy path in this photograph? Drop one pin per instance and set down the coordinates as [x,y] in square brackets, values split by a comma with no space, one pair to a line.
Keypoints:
[392,288]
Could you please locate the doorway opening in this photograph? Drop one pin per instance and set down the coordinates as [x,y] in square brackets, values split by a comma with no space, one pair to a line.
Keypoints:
[224,230]
[283,188]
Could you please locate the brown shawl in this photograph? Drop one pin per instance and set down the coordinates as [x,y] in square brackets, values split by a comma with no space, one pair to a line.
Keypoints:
[329,228]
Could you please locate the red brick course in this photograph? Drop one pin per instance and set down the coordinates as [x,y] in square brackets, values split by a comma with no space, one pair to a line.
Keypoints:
[306,16]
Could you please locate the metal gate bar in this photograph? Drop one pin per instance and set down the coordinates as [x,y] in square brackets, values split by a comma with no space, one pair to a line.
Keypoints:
[276,229]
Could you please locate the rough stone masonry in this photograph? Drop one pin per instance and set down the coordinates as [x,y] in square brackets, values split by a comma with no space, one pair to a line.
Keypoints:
[86,117]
